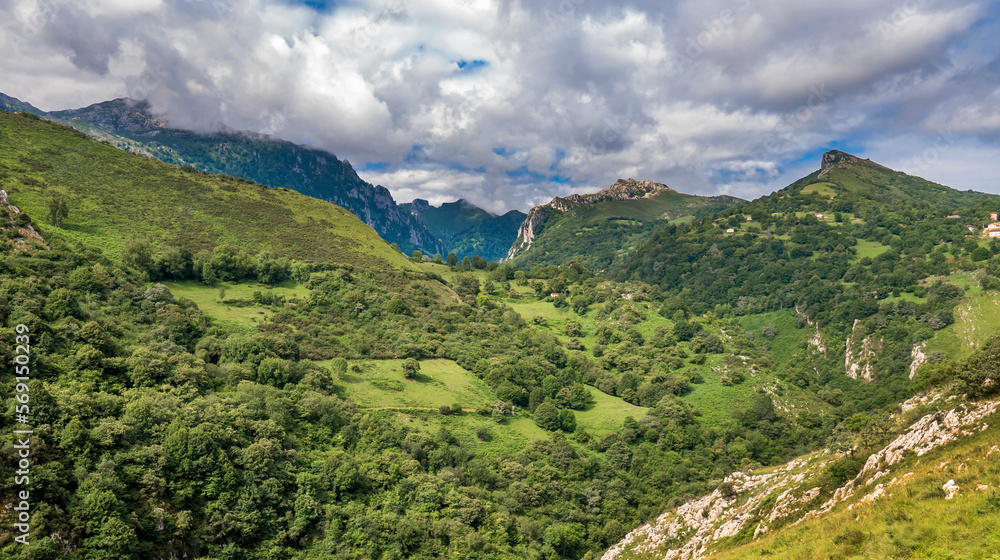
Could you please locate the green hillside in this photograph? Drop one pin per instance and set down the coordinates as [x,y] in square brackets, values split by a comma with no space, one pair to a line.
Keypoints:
[113,196]
[221,370]
[918,483]
[858,249]
[130,125]
[601,230]
[490,239]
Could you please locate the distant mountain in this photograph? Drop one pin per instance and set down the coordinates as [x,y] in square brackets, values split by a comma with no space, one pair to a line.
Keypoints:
[130,125]
[468,230]
[13,105]
[600,229]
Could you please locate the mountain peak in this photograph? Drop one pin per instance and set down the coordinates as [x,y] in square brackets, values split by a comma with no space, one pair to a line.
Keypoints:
[122,114]
[836,158]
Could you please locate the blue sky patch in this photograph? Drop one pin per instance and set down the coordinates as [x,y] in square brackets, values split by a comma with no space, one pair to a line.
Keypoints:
[470,65]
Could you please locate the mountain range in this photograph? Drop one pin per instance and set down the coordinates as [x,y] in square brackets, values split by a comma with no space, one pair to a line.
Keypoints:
[226,369]
[130,125]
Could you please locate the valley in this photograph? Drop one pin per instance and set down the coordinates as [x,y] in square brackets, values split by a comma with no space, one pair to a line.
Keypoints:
[233,370]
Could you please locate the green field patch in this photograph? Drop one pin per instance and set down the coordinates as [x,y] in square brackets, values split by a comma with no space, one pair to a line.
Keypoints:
[870,249]
[977,317]
[906,296]
[506,438]
[715,401]
[787,341]
[822,189]
[207,298]
[606,414]
[381,383]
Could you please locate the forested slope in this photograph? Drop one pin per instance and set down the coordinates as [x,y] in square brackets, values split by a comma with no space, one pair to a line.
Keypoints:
[235,383]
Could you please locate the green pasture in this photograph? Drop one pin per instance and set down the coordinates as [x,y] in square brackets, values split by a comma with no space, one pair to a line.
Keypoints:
[207,298]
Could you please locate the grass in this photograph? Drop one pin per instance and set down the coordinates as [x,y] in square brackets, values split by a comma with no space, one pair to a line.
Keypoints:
[977,317]
[381,383]
[207,299]
[870,249]
[822,189]
[504,439]
[906,296]
[788,339]
[717,402]
[606,414]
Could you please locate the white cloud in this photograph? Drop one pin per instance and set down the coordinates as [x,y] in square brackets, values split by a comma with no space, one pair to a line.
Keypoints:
[503,96]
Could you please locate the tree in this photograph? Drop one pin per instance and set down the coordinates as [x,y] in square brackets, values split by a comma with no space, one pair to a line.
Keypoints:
[58,210]
[573,328]
[684,330]
[547,416]
[619,455]
[397,306]
[410,368]
[137,255]
[452,259]
[567,421]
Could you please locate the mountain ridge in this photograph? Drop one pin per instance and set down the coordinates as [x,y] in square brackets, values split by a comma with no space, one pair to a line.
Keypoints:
[631,207]
[44,160]
[131,125]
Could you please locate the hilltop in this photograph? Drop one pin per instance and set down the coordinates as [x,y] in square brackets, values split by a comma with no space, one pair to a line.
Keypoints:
[600,229]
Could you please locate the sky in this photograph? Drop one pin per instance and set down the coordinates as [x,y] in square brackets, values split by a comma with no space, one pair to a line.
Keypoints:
[508,103]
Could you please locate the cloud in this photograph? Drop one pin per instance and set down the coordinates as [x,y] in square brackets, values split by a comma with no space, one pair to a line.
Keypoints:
[508,103]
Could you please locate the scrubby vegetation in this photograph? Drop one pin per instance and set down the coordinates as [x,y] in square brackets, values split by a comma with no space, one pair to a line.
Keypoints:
[254,374]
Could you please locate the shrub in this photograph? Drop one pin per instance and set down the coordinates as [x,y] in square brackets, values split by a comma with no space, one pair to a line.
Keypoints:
[547,416]
[411,368]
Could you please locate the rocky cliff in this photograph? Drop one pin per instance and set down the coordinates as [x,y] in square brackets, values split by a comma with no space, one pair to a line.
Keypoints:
[749,506]
[836,158]
[526,233]
[623,189]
